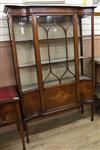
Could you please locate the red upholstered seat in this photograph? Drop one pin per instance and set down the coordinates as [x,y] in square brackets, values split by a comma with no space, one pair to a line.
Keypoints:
[7,93]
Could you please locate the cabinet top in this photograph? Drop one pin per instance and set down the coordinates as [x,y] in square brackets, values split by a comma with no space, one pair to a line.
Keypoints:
[11,9]
[49,5]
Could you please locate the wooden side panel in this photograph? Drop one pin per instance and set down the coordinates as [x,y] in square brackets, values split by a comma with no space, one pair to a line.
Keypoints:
[60,96]
[97,45]
[97,53]
[85,88]
[31,104]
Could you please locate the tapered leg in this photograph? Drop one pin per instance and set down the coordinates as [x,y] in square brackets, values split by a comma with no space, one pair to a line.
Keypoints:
[92,112]
[17,127]
[20,123]
[82,109]
[26,131]
[21,130]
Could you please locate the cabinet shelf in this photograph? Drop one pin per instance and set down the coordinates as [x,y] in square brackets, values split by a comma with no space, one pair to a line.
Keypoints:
[51,83]
[97,60]
[29,87]
[30,64]
[22,41]
[45,62]
[82,57]
[83,77]
[42,40]
[55,39]
[57,61]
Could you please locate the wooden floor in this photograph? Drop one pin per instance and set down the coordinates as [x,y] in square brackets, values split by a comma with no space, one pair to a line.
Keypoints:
[71,131]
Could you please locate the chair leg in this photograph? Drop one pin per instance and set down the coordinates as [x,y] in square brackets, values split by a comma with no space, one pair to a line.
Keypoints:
[82,109]
[92,112]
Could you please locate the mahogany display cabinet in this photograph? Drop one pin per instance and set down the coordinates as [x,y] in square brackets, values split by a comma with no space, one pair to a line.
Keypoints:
[53,55]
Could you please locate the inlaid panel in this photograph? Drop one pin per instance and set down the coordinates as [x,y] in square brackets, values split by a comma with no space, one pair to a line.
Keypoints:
[57,97]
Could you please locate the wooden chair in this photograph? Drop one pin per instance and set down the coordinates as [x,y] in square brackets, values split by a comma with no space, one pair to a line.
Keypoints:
[10,111]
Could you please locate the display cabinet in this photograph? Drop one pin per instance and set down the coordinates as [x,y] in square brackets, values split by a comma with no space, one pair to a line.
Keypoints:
[53,53]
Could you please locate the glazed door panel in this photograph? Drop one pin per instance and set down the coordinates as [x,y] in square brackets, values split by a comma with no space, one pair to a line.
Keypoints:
[86,55]
[57,49]
[57,52]
[85,49]
[26,64]
[25,52]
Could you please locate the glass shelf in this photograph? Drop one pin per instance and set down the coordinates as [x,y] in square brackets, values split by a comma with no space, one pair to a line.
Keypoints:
[47,84]
[46,62]
[83,77]
[56,82]
[22,41]
[84,57]
[53,39]
[30,64]
[97,60]
[29,87]
[57,61]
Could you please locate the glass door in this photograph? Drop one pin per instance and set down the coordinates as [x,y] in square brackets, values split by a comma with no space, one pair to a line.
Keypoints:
[25,52]
[86,57]
[56,41]
[85,50]
[57,51]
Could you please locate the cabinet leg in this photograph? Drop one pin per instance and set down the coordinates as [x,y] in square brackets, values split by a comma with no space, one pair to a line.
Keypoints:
[21,130]
[26,132]
[92,112]
[82,109]
[17,127]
